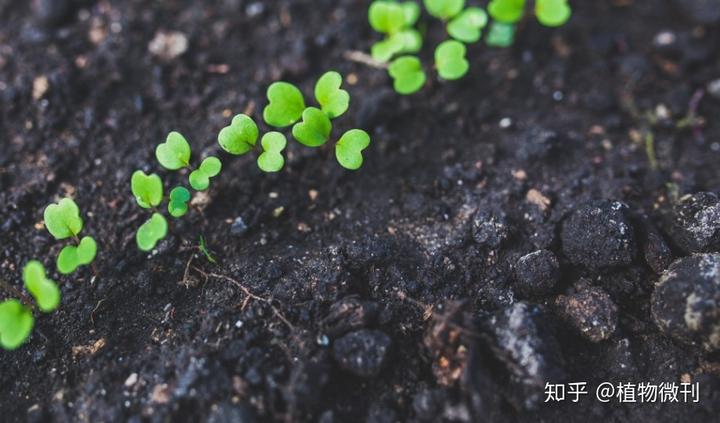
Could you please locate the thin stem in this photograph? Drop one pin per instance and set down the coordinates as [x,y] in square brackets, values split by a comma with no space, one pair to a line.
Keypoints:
[364,58]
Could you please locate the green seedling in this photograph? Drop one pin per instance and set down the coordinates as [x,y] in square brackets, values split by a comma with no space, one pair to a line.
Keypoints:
[200,177]
[206,251]
[407,74]
[348,149]
[506,11]
[333,100]
[314,130]
[44,290]
[147,189]
[552,12]
[271,159]
[63,221]
[174,153]
[444,9]
[450,60]
[467,26]
[285,105]
[16,318]
[240,136]
[500,35]
[16,323]
[71,257]
[152,231]
[396,21]
[177,203]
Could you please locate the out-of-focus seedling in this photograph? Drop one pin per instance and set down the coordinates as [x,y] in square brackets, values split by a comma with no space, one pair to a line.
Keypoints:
[500,35]
[152,231]
[63,221]
[16,317]
[467,26]
[394,20]
[407,74]
[444,9]
[548,12]
[450,60]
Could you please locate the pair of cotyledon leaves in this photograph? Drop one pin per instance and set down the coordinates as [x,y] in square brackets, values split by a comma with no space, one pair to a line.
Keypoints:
[548,12]
[396,21]
[409,76]
[16,319]
[63,221]
[175,153]
[311,125]
[148,192]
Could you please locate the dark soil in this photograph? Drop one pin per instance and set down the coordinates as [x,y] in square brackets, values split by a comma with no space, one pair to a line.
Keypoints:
[387,294]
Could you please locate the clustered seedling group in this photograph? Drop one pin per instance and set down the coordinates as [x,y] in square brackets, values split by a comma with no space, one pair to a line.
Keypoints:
[311,126]
[464,25]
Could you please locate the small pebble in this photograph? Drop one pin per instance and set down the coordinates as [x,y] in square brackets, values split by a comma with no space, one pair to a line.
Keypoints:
[537,273]
[590,310]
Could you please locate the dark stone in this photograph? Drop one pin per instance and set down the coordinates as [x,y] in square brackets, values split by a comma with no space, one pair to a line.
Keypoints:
[694,223]
[590,310]
[599,235]
[657,253]
[362,352]
[686,301]
[349,314]
[537,273]
[490,228]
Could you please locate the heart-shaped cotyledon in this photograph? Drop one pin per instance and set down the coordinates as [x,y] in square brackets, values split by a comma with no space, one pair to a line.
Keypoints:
[240,136]
[62,219]
[314,129]
[147,189]
[174,153]
[177,204]
[450,60]
[333,100]
[200,177]
[467,25]
[407,74]
[349,148]
[271,159]
[285,105]
[152,231]
[44,290]
[16,323]
[71,257]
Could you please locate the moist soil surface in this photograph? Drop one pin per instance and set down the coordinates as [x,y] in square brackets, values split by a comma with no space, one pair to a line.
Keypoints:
[505,230]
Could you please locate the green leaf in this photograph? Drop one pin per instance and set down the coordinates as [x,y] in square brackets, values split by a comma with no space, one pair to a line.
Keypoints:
[552,12]
[240,136]
[384,50]
[466,26]
[286,105]
[63,220]
[500,35]
[16,323]
[314,130]
[177,205]
[348,149]
[444,9]
[147,189]
[152,231]
[387,17]
[200,177]
[506,11]
[44,290]
[71,257]
[450,60]
[407,73]
[333,100]
[271,160]
[411,12]
[174,153]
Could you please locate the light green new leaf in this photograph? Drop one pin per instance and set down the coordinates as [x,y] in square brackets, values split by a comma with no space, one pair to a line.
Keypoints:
[405,41]
[500,35]
[333,100]
[16,323]
[200,177]
[467,25]
[44,290]
[444,9]
[506,11]
[240,136]
[552,12]
[348,149]
[63,220]
[408,74]
[152,231]
[147,189]
[285,106]
[271,160]
[450,60]
[177,205]
[411,11]
[71,257]
[314,130]
[174,153]
[387,17]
